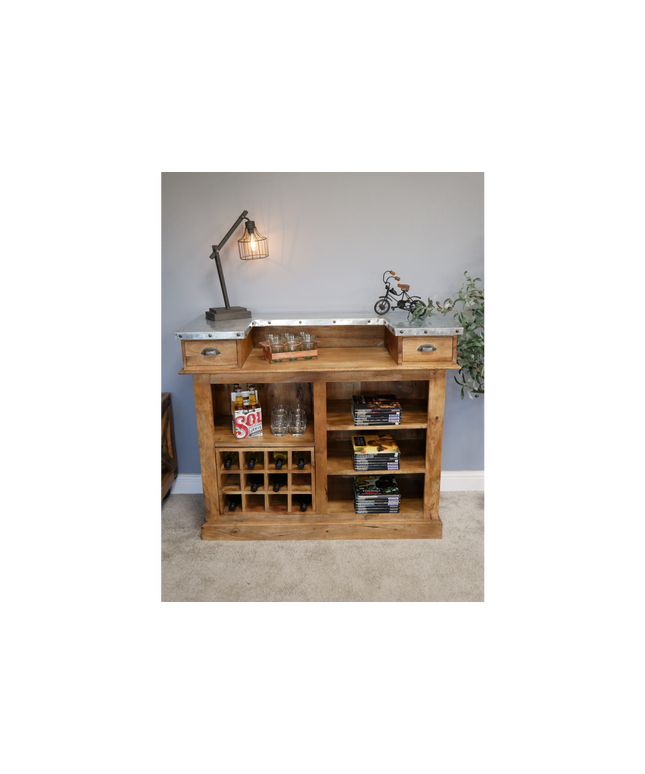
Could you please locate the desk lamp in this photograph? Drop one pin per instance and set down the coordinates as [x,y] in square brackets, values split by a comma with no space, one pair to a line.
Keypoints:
[251,246]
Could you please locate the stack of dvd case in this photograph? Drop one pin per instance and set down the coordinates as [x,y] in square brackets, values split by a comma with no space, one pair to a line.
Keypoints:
[376,452]
[375,410]
[376,494]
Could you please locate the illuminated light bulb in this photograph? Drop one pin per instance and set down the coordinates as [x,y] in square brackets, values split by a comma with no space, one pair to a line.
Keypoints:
[253,245]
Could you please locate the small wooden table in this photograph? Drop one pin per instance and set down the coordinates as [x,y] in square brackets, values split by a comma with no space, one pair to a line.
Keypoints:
[357,354]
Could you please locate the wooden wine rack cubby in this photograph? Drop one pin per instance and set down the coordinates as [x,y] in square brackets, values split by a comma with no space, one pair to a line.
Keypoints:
[297,484]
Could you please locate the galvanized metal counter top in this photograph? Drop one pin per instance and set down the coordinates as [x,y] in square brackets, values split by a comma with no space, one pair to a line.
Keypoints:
[396,322]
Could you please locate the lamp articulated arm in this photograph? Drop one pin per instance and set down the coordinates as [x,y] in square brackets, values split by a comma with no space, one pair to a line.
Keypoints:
[215,255]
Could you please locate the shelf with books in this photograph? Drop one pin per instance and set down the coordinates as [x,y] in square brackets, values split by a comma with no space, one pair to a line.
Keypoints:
[340,458]
[341,499]
[414,413]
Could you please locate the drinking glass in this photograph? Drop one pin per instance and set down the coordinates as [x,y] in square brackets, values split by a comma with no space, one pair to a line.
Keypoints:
[278,344]
[293,344]
[280,421]
[308,342]
[298,421]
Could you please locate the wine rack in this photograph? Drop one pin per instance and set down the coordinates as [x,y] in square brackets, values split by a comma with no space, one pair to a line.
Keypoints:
[237,481]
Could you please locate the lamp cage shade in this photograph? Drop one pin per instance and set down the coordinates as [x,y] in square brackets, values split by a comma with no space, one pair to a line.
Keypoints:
[253,245]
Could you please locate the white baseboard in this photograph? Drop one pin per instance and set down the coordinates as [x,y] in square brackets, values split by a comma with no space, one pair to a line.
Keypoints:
[462,480]
[451,481]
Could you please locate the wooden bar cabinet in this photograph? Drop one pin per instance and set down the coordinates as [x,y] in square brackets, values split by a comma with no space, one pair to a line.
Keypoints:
[357,354]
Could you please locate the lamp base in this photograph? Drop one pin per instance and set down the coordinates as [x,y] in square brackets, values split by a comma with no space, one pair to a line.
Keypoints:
[217,313]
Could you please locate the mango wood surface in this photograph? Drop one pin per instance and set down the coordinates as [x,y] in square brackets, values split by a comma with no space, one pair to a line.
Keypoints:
[205,432]
[442,353]
[340,458]
[328,335]
[331,365]
[390,530]
[244,349]
[413,414]
[434,443]
[351,360]
[393,344]
[320,430]
[194,360]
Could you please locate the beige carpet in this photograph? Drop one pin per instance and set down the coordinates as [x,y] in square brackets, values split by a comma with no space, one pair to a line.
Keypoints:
[446,570]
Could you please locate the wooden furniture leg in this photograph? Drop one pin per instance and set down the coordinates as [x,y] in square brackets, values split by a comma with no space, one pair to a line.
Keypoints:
[434,443]
[206,434]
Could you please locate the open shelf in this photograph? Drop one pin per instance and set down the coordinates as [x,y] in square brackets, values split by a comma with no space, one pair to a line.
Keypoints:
[340,459]
[414,414]
[224,435]
[341,499]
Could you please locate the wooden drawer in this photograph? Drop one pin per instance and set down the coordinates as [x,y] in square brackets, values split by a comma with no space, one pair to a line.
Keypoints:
[434,349]
[225,355]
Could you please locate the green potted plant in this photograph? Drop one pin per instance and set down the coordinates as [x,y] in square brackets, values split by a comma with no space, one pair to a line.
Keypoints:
[468,306]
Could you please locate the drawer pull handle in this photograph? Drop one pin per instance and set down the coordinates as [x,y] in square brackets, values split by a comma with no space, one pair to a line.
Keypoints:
[426,348]
[211,352]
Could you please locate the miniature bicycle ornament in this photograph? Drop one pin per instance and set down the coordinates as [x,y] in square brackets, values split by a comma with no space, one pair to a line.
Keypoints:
[393,300]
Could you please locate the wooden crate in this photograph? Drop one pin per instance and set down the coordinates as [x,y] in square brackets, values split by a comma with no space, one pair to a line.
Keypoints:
[168,451]
[282,357]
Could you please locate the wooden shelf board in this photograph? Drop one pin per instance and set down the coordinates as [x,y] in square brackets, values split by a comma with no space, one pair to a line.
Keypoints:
[340,460]
[224,436]
[414,414]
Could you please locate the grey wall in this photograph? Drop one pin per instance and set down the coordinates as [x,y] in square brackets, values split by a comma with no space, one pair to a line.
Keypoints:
[331,237]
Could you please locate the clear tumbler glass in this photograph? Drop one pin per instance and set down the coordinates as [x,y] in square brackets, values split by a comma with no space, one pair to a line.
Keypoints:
[298,421]
[280,421]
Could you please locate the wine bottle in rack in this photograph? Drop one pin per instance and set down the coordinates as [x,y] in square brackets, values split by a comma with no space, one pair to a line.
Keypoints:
[251,459]
[255,482]
[278,481]
[303,505]
[279,459]
[301,461]
[229,457]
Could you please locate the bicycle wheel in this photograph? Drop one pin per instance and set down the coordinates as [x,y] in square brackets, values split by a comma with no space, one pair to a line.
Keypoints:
[411,303]
[382,306]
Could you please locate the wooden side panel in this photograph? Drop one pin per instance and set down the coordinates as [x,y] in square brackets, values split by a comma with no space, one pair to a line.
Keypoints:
[320,435]
[394,345]
[244,348]
[330,335]
[205,431]
[434,444]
